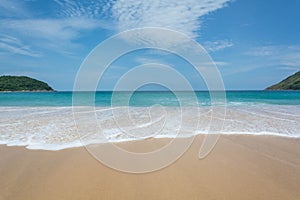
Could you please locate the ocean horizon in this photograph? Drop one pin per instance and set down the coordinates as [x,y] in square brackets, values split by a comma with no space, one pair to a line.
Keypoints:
[149,98]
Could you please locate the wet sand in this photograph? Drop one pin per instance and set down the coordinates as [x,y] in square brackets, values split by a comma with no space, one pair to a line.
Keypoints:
[239,167]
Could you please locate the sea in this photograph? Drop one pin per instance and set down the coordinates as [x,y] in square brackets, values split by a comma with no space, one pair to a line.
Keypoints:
[59,120]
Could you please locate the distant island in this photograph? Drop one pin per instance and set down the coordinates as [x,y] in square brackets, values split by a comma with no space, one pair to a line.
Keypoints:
[290,83]
[22,83]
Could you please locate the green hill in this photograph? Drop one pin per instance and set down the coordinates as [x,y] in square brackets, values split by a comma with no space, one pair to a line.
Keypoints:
[22,83]
[290,83]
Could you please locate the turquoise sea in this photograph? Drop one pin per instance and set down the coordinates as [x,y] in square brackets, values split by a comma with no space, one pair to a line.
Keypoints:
[143,98]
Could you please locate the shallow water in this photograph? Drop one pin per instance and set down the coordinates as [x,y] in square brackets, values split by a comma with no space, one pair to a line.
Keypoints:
[55,128]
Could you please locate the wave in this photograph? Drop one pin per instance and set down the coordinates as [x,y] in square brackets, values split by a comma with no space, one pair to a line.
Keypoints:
[54,128]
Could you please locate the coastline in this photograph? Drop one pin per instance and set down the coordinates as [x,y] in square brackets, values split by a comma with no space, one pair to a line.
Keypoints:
[239,167]
[21,91]
[54,128]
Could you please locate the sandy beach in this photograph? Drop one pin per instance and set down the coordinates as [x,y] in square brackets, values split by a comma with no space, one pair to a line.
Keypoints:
[149,100]
[239,167]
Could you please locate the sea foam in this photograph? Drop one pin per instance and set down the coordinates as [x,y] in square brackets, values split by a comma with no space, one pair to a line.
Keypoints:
[55,128]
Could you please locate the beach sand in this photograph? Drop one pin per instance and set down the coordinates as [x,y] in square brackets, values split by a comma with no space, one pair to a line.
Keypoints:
[239,167]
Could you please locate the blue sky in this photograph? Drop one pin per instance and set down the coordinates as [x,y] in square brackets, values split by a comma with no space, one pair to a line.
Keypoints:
[254,43]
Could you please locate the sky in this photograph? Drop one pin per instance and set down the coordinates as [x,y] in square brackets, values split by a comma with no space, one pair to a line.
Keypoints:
[254,43]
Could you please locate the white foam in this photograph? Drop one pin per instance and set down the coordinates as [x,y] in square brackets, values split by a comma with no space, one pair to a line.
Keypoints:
[53,128]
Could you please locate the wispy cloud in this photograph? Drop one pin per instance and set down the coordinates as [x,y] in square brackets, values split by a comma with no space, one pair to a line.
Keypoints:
[64,25]
[221,63]
[146,60]
[264,51]
[57,31]
[281,57]
[87,9]
[52,29]
[284,56]
[13,8]
[217,45]
[15,46]
[51,34]
[182,16]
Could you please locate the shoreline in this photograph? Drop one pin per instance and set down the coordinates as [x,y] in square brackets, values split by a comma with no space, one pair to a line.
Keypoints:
[239,167]
[28,91]
[79,144]
[54,128]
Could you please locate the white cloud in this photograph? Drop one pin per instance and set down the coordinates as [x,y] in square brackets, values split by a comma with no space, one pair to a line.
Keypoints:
[182,16]
[217,45]
[173,16]
[52,29]
[145,60]
[287,68]
[67,23]
[12,8]
[53,34]
[71,8]
[15,46]
[9,39]
[221,63]
[281,55]
[263,51]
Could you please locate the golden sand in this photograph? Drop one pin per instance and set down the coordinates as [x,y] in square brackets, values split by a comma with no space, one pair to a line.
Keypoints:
[239,167]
